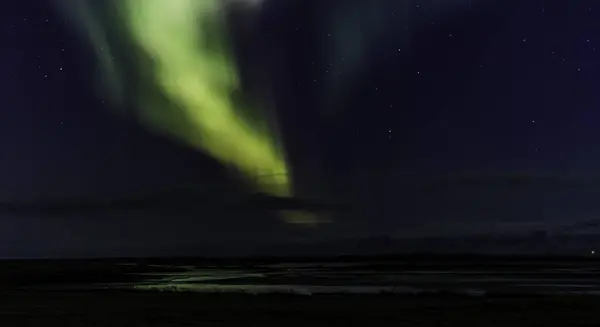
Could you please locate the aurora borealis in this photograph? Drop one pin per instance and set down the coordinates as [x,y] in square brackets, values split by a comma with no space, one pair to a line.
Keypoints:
[348,95]
[193,67]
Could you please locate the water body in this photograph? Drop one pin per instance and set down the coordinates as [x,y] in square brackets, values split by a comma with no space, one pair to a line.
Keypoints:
[349,278]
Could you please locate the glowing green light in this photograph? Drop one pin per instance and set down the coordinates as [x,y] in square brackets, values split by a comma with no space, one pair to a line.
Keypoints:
[192,65]
[186,86]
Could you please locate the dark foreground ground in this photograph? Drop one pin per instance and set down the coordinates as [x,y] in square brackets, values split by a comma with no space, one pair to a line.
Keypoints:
[188,309]
[401,291]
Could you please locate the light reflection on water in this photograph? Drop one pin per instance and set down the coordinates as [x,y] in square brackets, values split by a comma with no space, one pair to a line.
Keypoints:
[287,289]
[317,278]
[306,279]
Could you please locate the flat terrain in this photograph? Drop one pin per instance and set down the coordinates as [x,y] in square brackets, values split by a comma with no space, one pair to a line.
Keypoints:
[192,309]
[410,291]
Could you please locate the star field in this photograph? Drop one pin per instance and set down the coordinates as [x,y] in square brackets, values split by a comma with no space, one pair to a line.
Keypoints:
[485,89]
[360,88]
[475,84]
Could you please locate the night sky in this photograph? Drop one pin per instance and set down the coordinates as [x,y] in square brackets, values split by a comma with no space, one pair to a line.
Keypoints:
[365,91]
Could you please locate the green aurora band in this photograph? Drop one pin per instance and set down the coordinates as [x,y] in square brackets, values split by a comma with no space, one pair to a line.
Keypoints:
[201,80]
[192,66]
[172,61]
